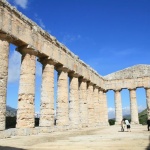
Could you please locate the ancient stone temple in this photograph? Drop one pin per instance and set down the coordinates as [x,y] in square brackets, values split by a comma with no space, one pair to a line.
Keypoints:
[87,104]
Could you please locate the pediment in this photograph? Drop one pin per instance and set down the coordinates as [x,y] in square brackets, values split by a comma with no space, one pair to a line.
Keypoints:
[136,71]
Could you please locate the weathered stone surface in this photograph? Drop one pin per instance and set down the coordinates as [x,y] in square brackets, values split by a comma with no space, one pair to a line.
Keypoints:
[118,107]
[148,102]
[96,106]
[4,52]
[23,31]
[103,108]
[101,114]
[32,42]
[130,78]
[83,103]
[133,107]
[62,116]
[134,72]
[74,115]
[90,101]
[47,96]
[25,113]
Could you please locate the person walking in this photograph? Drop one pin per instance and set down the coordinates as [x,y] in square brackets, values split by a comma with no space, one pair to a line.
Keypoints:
[128,125]
[148,124]
[122,125]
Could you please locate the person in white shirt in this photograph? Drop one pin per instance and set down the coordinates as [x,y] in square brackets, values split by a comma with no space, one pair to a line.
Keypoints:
[128,125]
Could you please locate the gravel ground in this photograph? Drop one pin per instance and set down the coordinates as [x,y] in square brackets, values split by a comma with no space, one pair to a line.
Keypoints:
[104,138]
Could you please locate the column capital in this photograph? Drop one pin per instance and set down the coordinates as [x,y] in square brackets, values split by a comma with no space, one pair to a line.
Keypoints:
[132,89]
[9,38]
[105,91]
[96,87]
[117,90]
[60,68]
[90,83]
[82,79]
[47,60]
[146,88]
[24,49]
[73,74]
[101,89]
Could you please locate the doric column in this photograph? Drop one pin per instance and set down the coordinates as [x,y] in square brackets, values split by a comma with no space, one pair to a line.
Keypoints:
[148,101]
[105,107]
[90,102]
[4,52]
[96,106]
[118,106]
[101,114]
[74,118]
[133,107]
[25,113]
[83,103]
[62,112]
[47,95]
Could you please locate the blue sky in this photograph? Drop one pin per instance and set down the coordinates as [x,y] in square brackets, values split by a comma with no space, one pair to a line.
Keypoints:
[109,35]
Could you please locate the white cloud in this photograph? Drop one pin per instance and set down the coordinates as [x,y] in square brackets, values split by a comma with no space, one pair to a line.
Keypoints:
[70,38]
[111,112]
[38,68]
[39,21]
[14,67]
[21,3]
[125,111]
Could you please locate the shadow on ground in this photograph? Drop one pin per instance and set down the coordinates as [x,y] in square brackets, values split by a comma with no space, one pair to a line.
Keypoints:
[148,147]
[9,148]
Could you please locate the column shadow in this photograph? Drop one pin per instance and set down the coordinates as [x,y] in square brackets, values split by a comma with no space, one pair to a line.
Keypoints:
[9,148]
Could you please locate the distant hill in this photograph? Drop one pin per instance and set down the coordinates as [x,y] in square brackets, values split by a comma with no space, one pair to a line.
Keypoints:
[142,118]
[11,112]
[8,108]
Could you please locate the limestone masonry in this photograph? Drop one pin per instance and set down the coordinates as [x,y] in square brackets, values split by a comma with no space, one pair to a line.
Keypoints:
[81,103]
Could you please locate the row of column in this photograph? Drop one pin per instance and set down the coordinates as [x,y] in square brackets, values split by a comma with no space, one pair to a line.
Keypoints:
[83,105]
[133,106]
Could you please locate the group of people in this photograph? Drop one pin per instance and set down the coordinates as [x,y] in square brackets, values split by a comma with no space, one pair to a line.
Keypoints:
[125,123]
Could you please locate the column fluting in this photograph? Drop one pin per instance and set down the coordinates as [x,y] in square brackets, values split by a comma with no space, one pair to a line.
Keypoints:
[62,111]
[83,103]
[25,113]
[133,107]
[47,96]
[74,102]
[4,52]
[96,106]
[118,107]
[90,102]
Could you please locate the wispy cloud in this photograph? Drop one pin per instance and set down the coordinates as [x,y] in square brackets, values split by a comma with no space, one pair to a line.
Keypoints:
[39,21]
[68,38]
[125,52]
[38,68]
[125,111]
[14,67]
[21,3]
[106,60]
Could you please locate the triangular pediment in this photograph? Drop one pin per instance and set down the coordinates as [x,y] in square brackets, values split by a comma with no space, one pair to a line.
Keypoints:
[136,71]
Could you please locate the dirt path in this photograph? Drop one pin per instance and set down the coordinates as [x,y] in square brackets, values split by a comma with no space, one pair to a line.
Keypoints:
[104,138]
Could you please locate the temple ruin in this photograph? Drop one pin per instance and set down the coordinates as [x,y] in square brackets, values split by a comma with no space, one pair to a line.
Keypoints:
[87,95]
